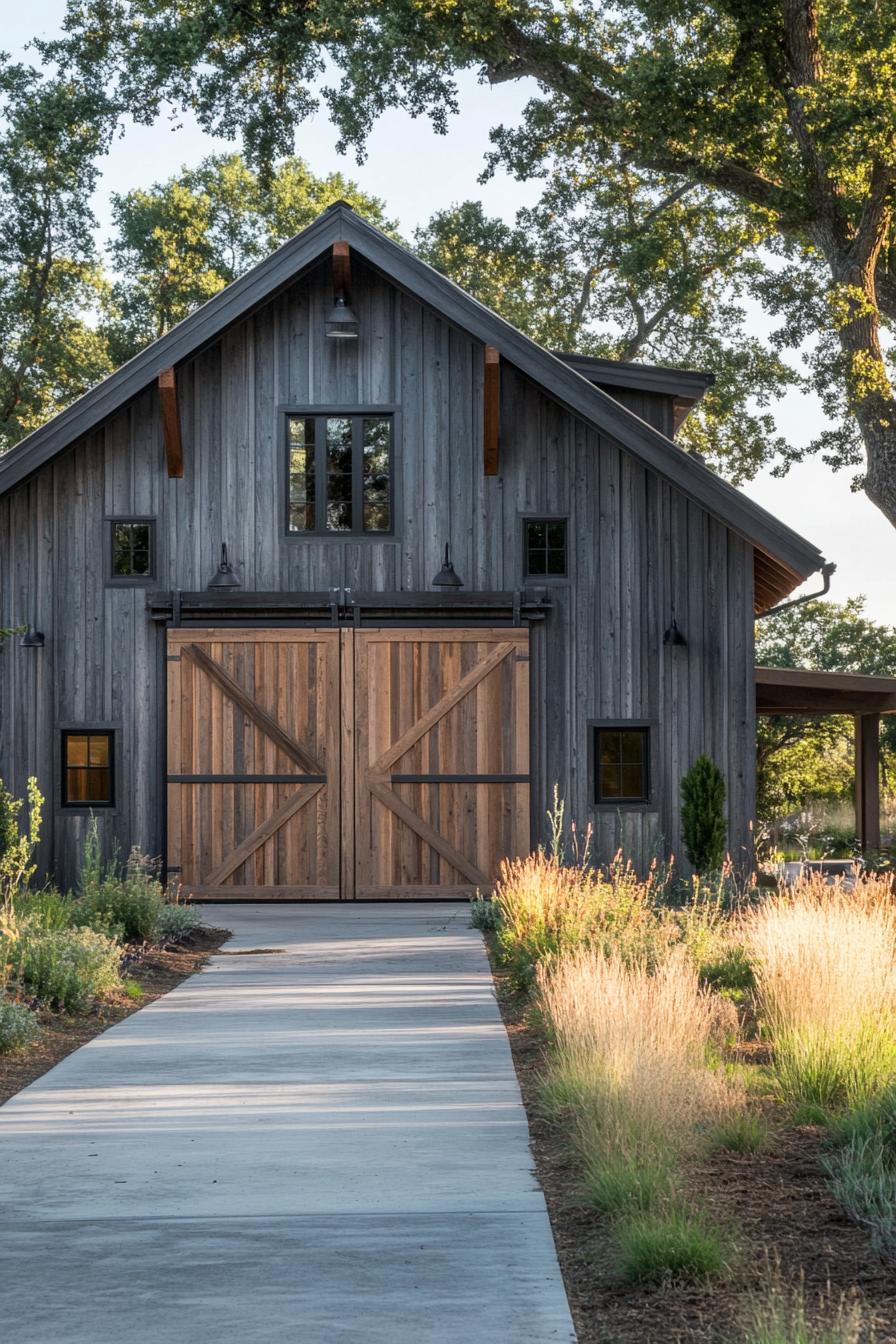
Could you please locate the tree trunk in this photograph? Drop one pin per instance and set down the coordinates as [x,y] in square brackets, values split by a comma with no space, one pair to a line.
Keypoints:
[871,399]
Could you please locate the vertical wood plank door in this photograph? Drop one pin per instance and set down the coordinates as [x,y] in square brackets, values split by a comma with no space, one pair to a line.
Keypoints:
[440,736]
[254,782]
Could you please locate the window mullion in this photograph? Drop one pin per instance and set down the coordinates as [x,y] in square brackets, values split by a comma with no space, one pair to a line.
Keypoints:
[321,494]
[357,474]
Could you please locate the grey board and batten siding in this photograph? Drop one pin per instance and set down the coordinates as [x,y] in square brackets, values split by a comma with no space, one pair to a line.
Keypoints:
[639,550]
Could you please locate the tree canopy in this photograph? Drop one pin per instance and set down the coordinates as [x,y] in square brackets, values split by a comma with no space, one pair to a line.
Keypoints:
[799,758]
[779,111]
[178,242]
[51,283]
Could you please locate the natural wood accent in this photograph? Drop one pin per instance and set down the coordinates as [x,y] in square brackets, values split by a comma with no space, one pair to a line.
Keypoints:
[342,270]
[440,709]
[452,705]
[867,753]
[266,723]
[491,410]
[256,711]
[270,826]
[427,833]
[174,452]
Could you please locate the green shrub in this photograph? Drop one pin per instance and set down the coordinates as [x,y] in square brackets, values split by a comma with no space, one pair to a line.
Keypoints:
[731,974]
[18,1026]
[622,1182]
[484,914]
[740,1132]
[862,1169]
[66,967]
[17,848]
[703,827]
[670,1243]
[126,903]
[46,909]
[175,921]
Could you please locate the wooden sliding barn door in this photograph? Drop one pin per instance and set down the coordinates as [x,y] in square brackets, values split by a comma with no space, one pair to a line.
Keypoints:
[254,763]
[359,764]
[441,752]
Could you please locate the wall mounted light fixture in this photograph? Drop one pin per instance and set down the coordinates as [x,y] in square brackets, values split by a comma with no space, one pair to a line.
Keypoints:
[32,639]
[447,576]
[674,637]
[342,325]
[225,577]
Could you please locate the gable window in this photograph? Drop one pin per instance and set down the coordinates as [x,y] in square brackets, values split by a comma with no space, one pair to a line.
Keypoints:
[339,474]
[88,768]
[132,548]
[621,764]
[544,547]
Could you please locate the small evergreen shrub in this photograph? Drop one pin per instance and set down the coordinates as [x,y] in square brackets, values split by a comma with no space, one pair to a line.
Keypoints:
[66,968]
[703,828]
[18,1026]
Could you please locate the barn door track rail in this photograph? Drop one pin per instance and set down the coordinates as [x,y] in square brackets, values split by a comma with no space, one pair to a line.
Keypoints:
[343,607]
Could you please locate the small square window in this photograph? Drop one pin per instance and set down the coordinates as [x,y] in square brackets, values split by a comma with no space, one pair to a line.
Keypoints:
[544,547]
[88,768]
[621,765]
[132,548]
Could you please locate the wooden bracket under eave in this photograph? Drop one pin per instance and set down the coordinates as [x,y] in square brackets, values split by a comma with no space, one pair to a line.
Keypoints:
[491,412]
[342,270]
[174,452]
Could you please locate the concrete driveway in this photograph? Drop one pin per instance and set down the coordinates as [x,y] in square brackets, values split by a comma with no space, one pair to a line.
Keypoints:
[319,1144]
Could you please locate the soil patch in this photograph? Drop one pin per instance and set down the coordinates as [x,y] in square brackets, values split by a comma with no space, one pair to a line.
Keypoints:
[155,970]
[776,1204]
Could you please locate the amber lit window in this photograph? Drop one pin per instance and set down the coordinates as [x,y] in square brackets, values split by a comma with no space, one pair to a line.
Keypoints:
[622,761]
[339,475]
[87,769]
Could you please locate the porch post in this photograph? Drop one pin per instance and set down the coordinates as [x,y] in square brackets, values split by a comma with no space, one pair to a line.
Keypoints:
[867,727]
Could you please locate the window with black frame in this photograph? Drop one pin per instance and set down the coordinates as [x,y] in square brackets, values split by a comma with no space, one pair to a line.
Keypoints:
[621,764]
[339,474]
[544,547]
[88,768]
[132,548]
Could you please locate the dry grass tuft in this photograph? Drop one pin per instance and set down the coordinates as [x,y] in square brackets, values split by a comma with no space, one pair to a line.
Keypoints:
[629,1054]
[824,958]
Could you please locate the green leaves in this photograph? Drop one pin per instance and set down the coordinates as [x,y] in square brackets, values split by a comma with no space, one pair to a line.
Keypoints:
[183,240]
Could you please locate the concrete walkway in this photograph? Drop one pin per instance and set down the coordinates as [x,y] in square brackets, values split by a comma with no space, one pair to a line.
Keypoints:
[324,1145]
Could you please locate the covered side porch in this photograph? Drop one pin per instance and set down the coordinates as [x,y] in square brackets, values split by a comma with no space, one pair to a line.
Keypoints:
[787,690]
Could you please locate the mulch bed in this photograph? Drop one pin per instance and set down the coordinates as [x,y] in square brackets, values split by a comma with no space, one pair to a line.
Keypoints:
[155,970]
[776,1204]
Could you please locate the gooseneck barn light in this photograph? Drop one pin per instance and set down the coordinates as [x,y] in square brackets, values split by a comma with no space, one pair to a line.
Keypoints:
[225,577]
[447,576]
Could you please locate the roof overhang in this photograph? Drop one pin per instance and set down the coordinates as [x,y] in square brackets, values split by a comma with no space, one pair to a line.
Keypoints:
[796,690]
[795,556]
[684,386]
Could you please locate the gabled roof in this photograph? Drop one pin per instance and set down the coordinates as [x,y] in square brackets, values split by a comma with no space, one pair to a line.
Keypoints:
[791,558]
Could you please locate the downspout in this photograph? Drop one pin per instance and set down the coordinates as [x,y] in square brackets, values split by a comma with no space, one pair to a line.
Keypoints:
[827,570]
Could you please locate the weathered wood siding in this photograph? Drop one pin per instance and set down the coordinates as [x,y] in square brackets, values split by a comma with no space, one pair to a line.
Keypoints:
[639,550]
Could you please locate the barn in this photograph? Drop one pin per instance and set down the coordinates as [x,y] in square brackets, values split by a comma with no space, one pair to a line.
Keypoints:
[329,587]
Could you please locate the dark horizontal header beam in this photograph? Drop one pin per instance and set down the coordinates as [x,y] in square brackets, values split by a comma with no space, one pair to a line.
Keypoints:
[340,607]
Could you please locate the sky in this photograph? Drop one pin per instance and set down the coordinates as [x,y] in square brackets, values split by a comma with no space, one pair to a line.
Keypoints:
[417,172]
